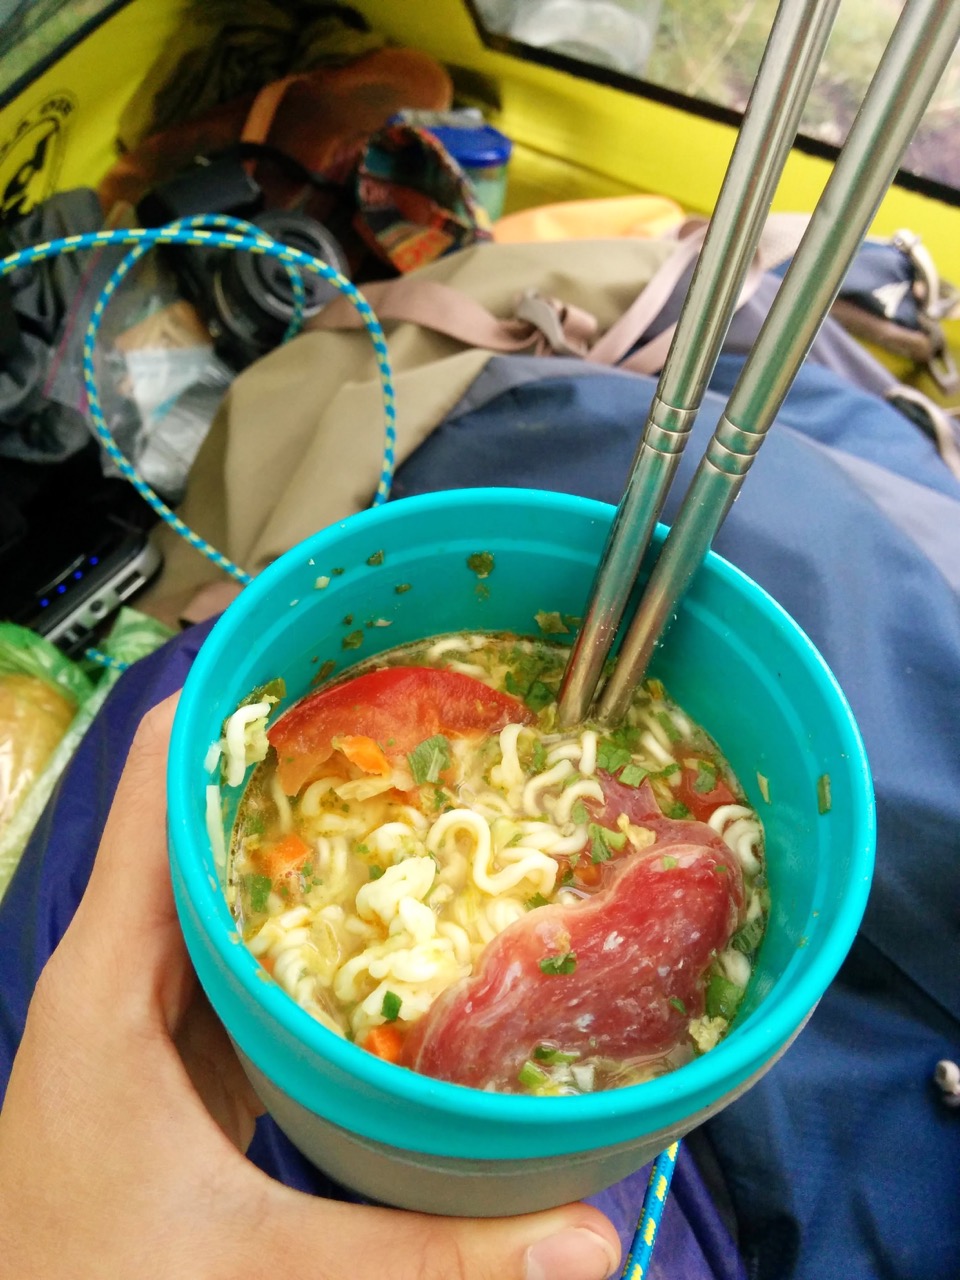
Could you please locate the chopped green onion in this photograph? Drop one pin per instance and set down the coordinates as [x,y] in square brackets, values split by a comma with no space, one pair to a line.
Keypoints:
[748,938]
[824,801]
[402,587]
[533,1077]
[552,1057]
[632,775]
[258,891]
[390,1009]
[669,728]
[352,641]
[376,872]
[668,862]
[676,810]
[538,900]
[604,842]
[706,778]
[723,997]
[539,759]
[611,756]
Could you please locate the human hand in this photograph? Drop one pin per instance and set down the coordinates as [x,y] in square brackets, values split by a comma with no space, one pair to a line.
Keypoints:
[127,1114]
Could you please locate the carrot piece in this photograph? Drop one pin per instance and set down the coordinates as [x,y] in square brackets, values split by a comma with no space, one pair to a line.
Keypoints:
[364,752]
[384,1042]
[286,855]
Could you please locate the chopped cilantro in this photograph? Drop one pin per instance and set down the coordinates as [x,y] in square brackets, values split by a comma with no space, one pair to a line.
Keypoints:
[376,558]
[429,758]
[721,867]
[348,620]
[482,591]
[257,889]
[579,812]
[824,799]
[567,876]
[538,900]
[632,775]
[611,756]
[336,573]
[352,641]
[706,778]
[604,842]
[572,620]
[551,624]
[565,962]
[532,1077]
[553,1057]
[390,1009]
[402,587]
[538,696]
[723,997]
[678,1005]
[481,562]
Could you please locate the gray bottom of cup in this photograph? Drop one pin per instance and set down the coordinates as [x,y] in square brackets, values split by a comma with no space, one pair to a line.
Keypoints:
[452,1186]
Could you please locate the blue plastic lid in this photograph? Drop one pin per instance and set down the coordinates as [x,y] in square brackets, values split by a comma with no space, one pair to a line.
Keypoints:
[475,147]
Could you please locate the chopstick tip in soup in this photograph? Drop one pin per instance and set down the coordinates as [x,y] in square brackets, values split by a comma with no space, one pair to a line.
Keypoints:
[436,871]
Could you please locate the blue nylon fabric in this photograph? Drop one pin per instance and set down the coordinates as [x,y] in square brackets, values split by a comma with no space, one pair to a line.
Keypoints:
[816,1155]
[818,1176]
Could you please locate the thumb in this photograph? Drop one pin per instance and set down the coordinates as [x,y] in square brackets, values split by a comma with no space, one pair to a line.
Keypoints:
[575,1242]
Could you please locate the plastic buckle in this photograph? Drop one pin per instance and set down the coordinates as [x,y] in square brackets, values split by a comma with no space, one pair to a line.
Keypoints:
[546,315]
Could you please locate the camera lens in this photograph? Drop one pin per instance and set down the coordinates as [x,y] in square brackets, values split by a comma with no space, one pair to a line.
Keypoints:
[253,293]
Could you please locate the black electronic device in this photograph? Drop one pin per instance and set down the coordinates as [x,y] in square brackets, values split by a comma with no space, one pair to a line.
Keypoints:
[74,547]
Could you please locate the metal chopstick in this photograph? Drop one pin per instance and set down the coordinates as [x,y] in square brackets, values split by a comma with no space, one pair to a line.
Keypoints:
[792,55]
[911,66]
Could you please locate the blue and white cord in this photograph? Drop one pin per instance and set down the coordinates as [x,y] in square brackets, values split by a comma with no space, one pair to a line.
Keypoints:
[641,1251]
[215,231]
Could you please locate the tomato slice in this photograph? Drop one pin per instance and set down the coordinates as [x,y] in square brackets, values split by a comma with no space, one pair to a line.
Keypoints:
[700,798]
[398,707]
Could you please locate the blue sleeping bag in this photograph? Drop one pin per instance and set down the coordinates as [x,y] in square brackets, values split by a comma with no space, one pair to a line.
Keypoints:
[843,1159]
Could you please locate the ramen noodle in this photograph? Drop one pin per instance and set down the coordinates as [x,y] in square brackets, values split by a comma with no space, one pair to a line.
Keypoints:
[435,870]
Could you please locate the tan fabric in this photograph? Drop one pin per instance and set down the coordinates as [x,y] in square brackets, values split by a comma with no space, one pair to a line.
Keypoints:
[297,443]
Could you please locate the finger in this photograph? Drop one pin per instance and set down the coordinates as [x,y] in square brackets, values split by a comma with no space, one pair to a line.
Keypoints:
[575,1242]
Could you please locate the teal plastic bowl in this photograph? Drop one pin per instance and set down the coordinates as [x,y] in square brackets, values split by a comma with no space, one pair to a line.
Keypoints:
[733,659]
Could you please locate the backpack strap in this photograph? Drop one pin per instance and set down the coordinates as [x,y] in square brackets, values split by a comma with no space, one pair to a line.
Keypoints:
[542,325]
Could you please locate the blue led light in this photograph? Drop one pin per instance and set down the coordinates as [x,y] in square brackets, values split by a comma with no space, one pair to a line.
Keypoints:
[44,603]
[94,559]
[78,574]
[61,589]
